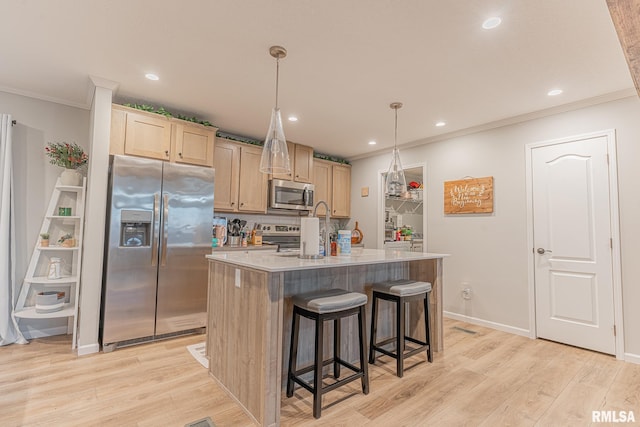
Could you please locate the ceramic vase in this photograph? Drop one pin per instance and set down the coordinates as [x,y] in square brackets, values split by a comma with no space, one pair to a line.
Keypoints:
[70,177]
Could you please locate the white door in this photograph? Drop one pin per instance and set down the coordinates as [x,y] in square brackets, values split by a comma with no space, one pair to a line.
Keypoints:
[573,241]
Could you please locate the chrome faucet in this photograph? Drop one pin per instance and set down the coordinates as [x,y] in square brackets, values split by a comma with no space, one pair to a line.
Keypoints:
[327,243]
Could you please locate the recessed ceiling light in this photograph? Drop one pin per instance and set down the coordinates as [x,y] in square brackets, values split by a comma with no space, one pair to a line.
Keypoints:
[293,119]
[152,76]
[554,92]
[440,124]
[372,143]
[491,23]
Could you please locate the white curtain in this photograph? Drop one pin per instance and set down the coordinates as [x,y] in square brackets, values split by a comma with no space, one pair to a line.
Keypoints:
[9,331]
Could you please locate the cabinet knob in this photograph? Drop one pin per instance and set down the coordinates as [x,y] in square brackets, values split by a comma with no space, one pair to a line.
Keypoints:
[233,203]
[166,153]
[242,204]
[180,154]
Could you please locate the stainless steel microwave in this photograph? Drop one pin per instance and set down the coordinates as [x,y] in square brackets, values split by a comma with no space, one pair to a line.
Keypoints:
[290,195]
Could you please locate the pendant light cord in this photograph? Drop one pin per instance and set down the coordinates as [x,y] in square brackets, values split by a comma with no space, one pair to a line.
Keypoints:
[395,134]
[277,79]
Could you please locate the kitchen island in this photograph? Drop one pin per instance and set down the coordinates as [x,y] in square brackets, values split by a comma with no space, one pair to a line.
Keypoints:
[249,314]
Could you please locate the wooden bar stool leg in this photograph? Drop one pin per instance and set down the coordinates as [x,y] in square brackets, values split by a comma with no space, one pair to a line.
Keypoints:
[317,374]
[427,328]
[293,352]
[400,337]
[336,348]
[374,328]
[363,358]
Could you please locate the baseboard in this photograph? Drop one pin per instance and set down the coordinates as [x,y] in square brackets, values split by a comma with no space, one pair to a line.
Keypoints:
[632,358]
[88,349]
[488,324]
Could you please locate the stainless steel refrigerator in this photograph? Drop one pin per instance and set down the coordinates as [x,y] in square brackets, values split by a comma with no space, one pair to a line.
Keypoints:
[158,231]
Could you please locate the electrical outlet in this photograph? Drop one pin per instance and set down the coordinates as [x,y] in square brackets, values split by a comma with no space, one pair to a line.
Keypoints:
[466,293]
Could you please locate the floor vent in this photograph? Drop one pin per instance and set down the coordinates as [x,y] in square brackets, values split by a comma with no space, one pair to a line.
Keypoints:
[205,422]
[468,331]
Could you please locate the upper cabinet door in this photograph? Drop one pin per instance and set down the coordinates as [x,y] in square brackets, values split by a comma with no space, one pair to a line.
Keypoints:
[322,174]
[193,145]
[341,197]
[291,148]
[301,161]
[253,183]
[226,162]
[303,171]
[147,136]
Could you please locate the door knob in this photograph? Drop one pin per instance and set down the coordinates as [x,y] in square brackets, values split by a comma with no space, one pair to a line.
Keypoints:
[542,251]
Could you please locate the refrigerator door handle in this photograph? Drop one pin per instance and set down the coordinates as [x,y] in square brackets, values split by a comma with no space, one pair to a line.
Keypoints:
[156,215]
[165,229]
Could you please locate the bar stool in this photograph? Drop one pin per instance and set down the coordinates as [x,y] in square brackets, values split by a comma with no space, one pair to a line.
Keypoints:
[400,292]
[320,306]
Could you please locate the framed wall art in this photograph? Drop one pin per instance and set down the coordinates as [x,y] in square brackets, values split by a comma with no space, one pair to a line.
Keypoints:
[469,195]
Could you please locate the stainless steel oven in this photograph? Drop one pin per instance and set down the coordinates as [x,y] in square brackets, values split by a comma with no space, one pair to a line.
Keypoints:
[286,236]
[290,195]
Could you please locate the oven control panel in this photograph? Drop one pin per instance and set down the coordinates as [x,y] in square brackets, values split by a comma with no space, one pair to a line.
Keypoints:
[280,229]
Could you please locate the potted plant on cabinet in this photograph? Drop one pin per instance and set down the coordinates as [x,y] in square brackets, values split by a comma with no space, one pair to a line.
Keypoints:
[68,156]
[44,239]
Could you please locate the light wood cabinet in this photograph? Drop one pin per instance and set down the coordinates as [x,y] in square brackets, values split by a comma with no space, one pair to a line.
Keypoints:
[301,158]
[322,181]
[147,136]
[252,191]
[291,148]
[226,161]
[332,183]
[192,145]
[341,191]
[154,136]
[239,184]
[303,163]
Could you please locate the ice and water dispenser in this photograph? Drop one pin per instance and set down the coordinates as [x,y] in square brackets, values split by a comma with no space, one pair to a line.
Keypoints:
[135,227]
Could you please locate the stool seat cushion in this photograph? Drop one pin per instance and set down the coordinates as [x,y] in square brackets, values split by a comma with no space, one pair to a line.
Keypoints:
[402,288]
[329,301]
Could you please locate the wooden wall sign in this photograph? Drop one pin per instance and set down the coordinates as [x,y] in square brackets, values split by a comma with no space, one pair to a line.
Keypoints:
[473,195]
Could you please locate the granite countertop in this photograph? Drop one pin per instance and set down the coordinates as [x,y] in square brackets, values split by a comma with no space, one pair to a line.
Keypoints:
[276,262]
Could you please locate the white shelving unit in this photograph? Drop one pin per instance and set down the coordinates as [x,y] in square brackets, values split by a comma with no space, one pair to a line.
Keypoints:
[36,278]
[402,206]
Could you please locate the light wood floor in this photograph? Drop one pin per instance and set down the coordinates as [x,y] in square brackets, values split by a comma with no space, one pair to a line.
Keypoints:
[489,378]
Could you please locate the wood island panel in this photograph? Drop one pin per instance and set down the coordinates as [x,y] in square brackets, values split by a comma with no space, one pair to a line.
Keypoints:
[244,338]
[249,324]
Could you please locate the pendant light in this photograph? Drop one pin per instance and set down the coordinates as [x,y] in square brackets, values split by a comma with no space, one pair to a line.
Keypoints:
[395,182]
[275,156]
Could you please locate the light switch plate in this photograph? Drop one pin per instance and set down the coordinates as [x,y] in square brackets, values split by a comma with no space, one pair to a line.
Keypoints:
[364,192]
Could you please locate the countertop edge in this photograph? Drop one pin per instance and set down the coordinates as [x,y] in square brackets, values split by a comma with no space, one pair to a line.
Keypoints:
[269,262]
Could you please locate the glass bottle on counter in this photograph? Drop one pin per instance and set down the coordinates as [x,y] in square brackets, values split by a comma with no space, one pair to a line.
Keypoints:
[321,245]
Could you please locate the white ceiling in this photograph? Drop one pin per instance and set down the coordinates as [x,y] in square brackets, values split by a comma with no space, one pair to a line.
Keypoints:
[347,61]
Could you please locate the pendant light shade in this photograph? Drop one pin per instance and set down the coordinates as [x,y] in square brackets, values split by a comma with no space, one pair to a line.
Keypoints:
[395,182]
[275,155]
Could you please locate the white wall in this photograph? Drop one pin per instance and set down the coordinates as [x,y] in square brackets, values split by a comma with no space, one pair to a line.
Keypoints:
[489,252]
[38,122]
